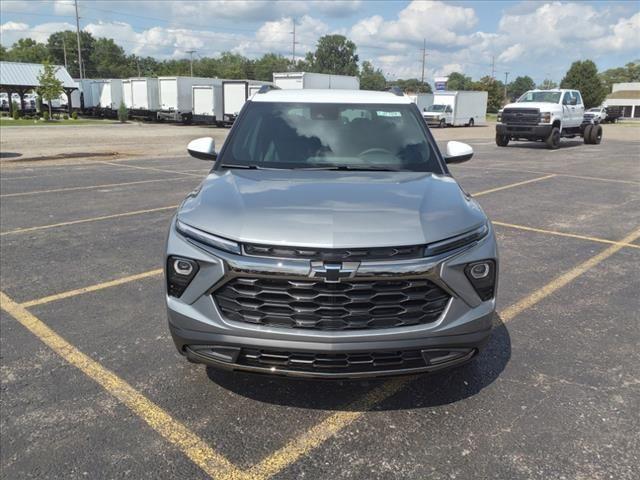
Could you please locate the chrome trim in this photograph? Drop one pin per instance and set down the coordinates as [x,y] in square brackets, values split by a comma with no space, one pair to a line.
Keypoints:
[207,238]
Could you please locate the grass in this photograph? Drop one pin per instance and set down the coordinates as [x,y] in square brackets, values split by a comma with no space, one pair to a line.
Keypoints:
[30,122]
[492,117]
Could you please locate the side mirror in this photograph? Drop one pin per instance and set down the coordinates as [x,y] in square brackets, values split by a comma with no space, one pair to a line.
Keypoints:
[203,148]
[458,152]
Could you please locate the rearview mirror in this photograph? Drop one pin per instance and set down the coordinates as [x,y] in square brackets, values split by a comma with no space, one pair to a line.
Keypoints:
[203,148]
[458,152]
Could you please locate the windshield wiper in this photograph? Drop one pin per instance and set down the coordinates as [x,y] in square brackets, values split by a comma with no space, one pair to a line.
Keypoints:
[349,168]
[246,167]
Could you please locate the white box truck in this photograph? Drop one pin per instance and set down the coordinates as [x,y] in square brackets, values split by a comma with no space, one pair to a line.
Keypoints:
[207,103]
[234,95]
[456,108]
[140,95]
[108,93]
[176,97]
[300,80]
[422,100]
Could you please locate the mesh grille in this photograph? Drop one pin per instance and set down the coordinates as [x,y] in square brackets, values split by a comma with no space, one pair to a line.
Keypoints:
[333,362]
[521,116]
[331,306]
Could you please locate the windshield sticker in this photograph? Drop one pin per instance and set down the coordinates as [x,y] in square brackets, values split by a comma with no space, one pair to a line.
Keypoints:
[388,114]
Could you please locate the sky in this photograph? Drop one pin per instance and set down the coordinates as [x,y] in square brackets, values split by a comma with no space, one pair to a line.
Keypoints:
[536,38]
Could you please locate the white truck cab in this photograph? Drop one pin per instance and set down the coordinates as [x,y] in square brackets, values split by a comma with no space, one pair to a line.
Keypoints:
[546,115]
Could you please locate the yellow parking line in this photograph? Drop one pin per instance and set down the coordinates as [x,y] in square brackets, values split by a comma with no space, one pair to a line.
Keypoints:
[157,418]
[562,234]
[559,282]
[505,187]
[326,429]
[151,168]
[86,220]
[91,288]
[91,187]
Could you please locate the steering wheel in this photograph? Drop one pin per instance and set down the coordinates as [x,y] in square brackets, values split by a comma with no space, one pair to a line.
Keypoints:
[374,150]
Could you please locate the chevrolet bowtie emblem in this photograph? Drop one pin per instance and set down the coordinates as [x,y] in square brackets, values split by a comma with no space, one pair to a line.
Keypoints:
[333,272]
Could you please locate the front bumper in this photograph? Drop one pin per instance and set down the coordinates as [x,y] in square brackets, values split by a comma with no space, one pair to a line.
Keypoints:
[524,131]
[204,335]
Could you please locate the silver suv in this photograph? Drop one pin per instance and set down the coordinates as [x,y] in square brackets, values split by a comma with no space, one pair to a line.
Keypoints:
[330,240]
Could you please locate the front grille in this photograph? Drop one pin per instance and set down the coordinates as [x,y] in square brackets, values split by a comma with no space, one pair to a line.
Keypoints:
[332,362]
[348,305]
[521,116]
[352,254]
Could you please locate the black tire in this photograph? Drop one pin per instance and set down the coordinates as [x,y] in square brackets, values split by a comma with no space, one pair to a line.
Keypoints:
[595,135]
[471,123]
[502,140]
[586,134]
[442,123]
[553,140]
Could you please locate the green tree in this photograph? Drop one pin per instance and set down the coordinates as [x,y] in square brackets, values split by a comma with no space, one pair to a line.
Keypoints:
[334,54]
[371,78]
[458,81]
[629,73]
[265,66]
[412,85]
[50,87]
[29,51]
[547,84]
[583,76]
[108,59]
[519,86]
[3,53]
[495,92]
[234,66]
[59,42]
[123,114]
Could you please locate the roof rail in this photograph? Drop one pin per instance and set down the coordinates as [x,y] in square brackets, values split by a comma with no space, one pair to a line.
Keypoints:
[396,91]
[266,88]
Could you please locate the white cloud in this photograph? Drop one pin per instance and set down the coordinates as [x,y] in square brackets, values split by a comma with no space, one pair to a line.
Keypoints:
[11,32]
[276,35]
[64,7]
[625,36]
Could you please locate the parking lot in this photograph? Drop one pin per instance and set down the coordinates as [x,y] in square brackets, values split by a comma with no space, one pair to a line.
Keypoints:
[92,386]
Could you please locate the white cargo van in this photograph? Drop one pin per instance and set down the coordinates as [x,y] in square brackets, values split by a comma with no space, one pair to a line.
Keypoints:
[455,108]
[176,97]
[299,80]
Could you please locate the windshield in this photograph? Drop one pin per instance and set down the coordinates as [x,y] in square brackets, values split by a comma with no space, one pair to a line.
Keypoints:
[593,110]
[544,97]
[331,136]
[438,108]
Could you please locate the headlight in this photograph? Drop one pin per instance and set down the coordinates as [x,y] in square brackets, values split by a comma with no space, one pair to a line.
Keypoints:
[456,242]
[545,117]
[207,239]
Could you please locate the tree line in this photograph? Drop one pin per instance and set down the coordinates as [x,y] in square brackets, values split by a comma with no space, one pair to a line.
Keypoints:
[336,54]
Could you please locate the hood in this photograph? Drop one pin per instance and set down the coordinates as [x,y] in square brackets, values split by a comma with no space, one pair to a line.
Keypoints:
[543,106]
[331,209]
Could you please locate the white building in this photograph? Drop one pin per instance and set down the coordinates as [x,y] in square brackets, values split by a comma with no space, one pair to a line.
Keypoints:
[626,96]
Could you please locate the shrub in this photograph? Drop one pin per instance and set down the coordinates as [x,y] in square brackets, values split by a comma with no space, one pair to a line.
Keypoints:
[16,113]
[45,115]
[123,114]
[65,117]
[74,115]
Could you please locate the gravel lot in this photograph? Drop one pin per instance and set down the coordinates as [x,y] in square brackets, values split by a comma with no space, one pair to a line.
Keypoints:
[92,387]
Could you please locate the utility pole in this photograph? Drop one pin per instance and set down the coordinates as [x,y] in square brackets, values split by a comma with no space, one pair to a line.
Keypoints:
[493,67]
[424,55]
[506,77]
[64,51]
[293,44]
[138,65]
[79,46]
[191,52]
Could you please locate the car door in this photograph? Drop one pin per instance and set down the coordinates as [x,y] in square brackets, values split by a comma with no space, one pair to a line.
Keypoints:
[568,111]
[579,104]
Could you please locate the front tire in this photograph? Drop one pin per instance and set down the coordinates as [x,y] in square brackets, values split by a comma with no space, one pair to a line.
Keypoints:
[502,140]
[442,124]
[553,140]
[586,134]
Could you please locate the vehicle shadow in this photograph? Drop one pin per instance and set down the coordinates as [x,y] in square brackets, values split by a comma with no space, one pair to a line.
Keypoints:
[543,146]
[10,155]
[420,391]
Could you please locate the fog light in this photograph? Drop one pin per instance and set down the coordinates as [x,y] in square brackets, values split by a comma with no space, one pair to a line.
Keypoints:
[480,270]
[180,272]
[182,267]
[482,276]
